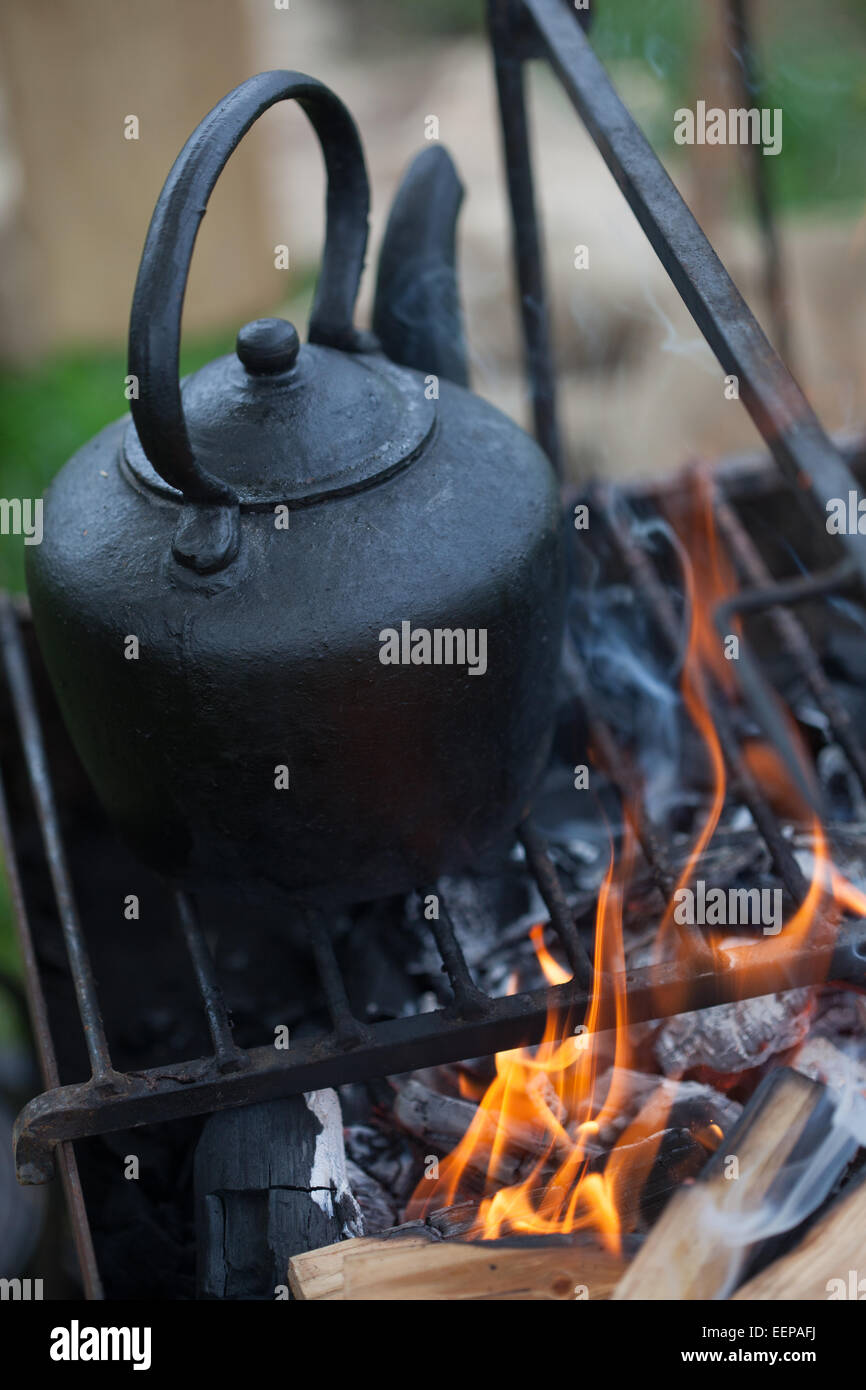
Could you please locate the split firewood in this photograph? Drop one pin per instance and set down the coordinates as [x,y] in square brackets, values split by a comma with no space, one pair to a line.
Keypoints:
[417,1267]
[827,1264]
[698,1245]
[318,1274]
[530,1268]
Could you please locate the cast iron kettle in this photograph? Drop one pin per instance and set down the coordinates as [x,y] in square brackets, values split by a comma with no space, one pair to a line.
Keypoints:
[217,573]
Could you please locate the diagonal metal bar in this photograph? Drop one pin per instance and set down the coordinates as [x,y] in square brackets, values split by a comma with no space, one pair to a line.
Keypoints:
[762,698]
[349,1031]
[772,397]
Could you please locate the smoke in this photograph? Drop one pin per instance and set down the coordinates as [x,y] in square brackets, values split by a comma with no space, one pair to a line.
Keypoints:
[804,1184]
[634,678]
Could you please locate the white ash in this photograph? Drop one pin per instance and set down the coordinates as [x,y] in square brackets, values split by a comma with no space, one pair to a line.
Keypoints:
[842,1068]
[734,1037]
[329,1181]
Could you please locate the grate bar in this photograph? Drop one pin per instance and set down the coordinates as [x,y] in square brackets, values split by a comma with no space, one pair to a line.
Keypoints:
[27,718]
[646,579]
[792,634]
[621,776]
[67,1162]
[518,1020]
[761,696]
[469,1000]
[561,916]
[348,1030]
[618,772]
[229,1056]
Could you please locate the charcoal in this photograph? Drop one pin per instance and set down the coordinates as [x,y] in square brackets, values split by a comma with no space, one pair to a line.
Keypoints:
[379,1207]
[842,789]
[733,1038]
[454,1221]
[696,1106]
[840,1014]
[693,1104]
[679,1158]
[387,1158]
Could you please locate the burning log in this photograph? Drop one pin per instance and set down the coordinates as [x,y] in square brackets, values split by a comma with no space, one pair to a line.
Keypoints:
[442,1121]
[698,1245]
[828,1262]
[729,1038]
[418,1266]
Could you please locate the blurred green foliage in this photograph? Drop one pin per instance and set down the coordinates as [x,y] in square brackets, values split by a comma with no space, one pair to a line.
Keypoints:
[47,412]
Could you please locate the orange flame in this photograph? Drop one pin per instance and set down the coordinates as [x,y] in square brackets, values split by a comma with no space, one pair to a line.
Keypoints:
[547,1105]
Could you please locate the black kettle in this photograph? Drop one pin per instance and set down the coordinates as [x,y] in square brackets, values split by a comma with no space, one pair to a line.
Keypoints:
[303,612]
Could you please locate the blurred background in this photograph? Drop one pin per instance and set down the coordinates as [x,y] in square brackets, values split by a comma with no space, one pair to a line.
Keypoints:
[639,391]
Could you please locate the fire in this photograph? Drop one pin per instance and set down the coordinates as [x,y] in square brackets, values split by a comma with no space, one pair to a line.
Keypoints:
[552,1099]
[553,1111]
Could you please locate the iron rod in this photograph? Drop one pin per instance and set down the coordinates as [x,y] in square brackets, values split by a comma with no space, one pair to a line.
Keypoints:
[69,1175]
[792,634]
[561,917]
[229,1056]
[528,255]
[751,93]
[27,718]
[348,1030]
[469,1000]
[403,1044]
[645,579]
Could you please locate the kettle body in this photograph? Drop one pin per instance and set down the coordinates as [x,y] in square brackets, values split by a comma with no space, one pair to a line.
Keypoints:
[303,614]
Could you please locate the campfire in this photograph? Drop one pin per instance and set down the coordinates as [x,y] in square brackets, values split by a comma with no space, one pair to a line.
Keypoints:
[604,1133]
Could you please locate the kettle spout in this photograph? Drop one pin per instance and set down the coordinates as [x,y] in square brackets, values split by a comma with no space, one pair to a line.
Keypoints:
[416,315]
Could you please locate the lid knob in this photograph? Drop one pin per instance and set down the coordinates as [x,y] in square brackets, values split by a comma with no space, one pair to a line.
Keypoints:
[267,347]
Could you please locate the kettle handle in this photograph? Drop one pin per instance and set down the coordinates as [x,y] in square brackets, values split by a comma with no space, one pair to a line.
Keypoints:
[207,537]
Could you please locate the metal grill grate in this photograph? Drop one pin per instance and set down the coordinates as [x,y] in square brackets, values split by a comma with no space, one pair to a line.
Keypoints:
[475,1024]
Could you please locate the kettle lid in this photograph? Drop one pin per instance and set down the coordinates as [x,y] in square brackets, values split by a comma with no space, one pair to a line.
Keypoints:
[282,423]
